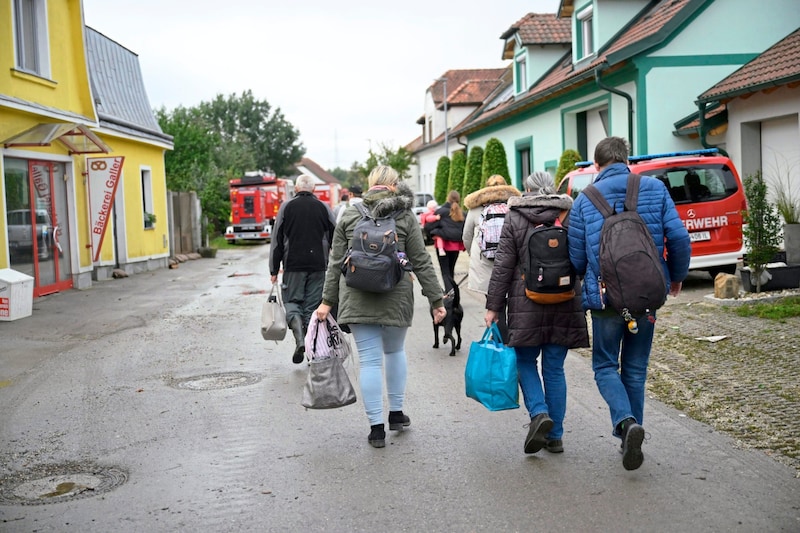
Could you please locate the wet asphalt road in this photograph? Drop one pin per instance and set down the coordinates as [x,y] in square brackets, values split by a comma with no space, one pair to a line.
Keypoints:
[152,404]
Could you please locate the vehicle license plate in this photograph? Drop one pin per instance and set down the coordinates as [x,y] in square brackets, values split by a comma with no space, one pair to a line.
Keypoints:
[700,236]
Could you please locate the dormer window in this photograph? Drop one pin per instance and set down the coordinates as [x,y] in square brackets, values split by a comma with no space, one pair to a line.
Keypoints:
[583,29]
[521,73]
[30,37]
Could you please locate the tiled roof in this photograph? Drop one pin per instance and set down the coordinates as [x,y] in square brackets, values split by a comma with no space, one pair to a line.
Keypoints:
[118,87]
[414,145]
[472,92]
[651,28]
[778,65]
[541,28]
[456,78]
[317,170]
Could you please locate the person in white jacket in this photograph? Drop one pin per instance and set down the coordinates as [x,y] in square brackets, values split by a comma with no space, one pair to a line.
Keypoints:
[480,268]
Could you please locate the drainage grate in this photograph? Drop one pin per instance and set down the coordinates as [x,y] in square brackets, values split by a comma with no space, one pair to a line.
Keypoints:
[224,380]
[57,483]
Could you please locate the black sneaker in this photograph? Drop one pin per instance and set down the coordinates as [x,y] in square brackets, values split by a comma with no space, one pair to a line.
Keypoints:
[397,420]
[632,437]
[539,427]
[554,446]
[377,437]
[299,354]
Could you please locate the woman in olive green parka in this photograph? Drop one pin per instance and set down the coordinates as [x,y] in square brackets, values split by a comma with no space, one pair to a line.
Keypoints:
[379,321]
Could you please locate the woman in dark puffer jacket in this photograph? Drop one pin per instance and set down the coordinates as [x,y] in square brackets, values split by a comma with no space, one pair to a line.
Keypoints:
[549,330]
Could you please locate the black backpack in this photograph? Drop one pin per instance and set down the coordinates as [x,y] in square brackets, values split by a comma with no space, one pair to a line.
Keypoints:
[548,272]
[631,271]
[372,263]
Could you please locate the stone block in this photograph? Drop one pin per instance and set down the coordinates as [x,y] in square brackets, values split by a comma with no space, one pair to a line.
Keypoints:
[727,286]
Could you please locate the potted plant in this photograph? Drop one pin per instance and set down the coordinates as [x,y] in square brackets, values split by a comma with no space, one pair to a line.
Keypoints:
[149,219]
[761,232]
[787,201]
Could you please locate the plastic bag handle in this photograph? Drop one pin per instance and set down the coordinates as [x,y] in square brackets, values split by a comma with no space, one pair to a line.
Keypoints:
[492,333]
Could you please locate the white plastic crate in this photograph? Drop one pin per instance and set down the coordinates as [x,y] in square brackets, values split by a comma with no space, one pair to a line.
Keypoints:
[16,294]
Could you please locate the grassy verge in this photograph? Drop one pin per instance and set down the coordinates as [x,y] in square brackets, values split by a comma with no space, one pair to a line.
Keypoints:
[778,310]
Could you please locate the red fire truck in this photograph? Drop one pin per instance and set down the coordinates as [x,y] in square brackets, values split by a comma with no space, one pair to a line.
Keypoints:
[255,200]
[328,193]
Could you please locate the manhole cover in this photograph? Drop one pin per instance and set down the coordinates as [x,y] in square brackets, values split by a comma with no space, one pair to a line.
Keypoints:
[224,380]
[57,483]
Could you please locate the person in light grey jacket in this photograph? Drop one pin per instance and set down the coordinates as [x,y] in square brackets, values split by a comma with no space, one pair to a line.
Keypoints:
[480,268]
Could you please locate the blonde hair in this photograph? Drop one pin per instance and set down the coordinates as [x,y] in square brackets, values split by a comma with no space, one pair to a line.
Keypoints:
[454,199]
[494,180]
[383,175]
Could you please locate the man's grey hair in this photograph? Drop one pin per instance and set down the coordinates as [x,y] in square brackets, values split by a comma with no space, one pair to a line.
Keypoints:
[540,182]
[304,183]
[611,150]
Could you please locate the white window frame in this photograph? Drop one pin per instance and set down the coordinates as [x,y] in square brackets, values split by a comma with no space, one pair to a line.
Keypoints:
[31,42]
[584,19]
[521,71]
[147,194]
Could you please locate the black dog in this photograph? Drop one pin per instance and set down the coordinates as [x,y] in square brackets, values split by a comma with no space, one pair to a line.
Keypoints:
[451,322]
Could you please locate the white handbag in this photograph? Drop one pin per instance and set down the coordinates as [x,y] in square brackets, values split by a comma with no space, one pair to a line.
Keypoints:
[273,317]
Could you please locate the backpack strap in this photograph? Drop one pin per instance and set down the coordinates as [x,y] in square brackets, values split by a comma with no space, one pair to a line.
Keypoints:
[632,192]
[363,210]
[599,201]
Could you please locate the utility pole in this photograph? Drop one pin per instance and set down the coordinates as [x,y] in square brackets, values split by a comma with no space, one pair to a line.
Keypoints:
[446,139]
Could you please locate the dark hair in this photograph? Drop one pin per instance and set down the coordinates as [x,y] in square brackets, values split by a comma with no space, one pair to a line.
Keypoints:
[611,150]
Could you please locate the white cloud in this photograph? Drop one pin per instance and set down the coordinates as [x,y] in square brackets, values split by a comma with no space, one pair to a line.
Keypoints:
[344,73]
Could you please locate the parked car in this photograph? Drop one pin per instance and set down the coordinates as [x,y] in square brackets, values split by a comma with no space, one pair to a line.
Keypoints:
[707,192]
[20,232]
[421,200]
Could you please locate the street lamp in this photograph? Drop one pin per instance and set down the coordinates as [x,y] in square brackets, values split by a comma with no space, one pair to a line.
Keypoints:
[446,143]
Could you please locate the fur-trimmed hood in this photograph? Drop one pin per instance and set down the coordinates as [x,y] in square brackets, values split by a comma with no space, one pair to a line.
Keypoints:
[382,202]
[539,209]
[490,195]
[561,201]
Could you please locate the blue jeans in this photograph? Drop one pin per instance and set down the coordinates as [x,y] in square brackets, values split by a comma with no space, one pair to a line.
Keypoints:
[552,400]
[375,344]
[621,374]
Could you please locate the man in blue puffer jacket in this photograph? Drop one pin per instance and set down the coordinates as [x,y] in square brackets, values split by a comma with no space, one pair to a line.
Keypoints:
[620,357]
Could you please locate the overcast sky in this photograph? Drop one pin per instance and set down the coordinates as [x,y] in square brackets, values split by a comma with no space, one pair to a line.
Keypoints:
[348,74]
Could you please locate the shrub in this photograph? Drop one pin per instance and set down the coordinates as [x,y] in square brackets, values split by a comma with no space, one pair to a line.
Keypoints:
[457,167]
[567,163]
[442,178]
[472,174]
[494,161]
[762,227]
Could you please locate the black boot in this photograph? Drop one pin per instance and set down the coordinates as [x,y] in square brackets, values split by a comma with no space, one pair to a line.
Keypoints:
[296,324]
[397,420]
[377,436]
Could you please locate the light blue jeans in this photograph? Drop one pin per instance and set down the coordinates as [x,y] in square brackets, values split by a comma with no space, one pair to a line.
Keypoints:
[552,399]
[375,344]
[620,374]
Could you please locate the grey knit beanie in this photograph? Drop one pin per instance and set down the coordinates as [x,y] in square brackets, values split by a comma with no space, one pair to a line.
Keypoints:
[540,182]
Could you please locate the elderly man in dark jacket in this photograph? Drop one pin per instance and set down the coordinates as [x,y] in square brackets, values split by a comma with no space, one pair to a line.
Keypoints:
[546,329]
[301,240]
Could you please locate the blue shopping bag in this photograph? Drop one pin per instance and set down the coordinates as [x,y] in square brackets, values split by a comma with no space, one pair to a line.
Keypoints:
[491,372]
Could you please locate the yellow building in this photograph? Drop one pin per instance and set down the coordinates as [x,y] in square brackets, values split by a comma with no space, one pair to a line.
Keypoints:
[84,188]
